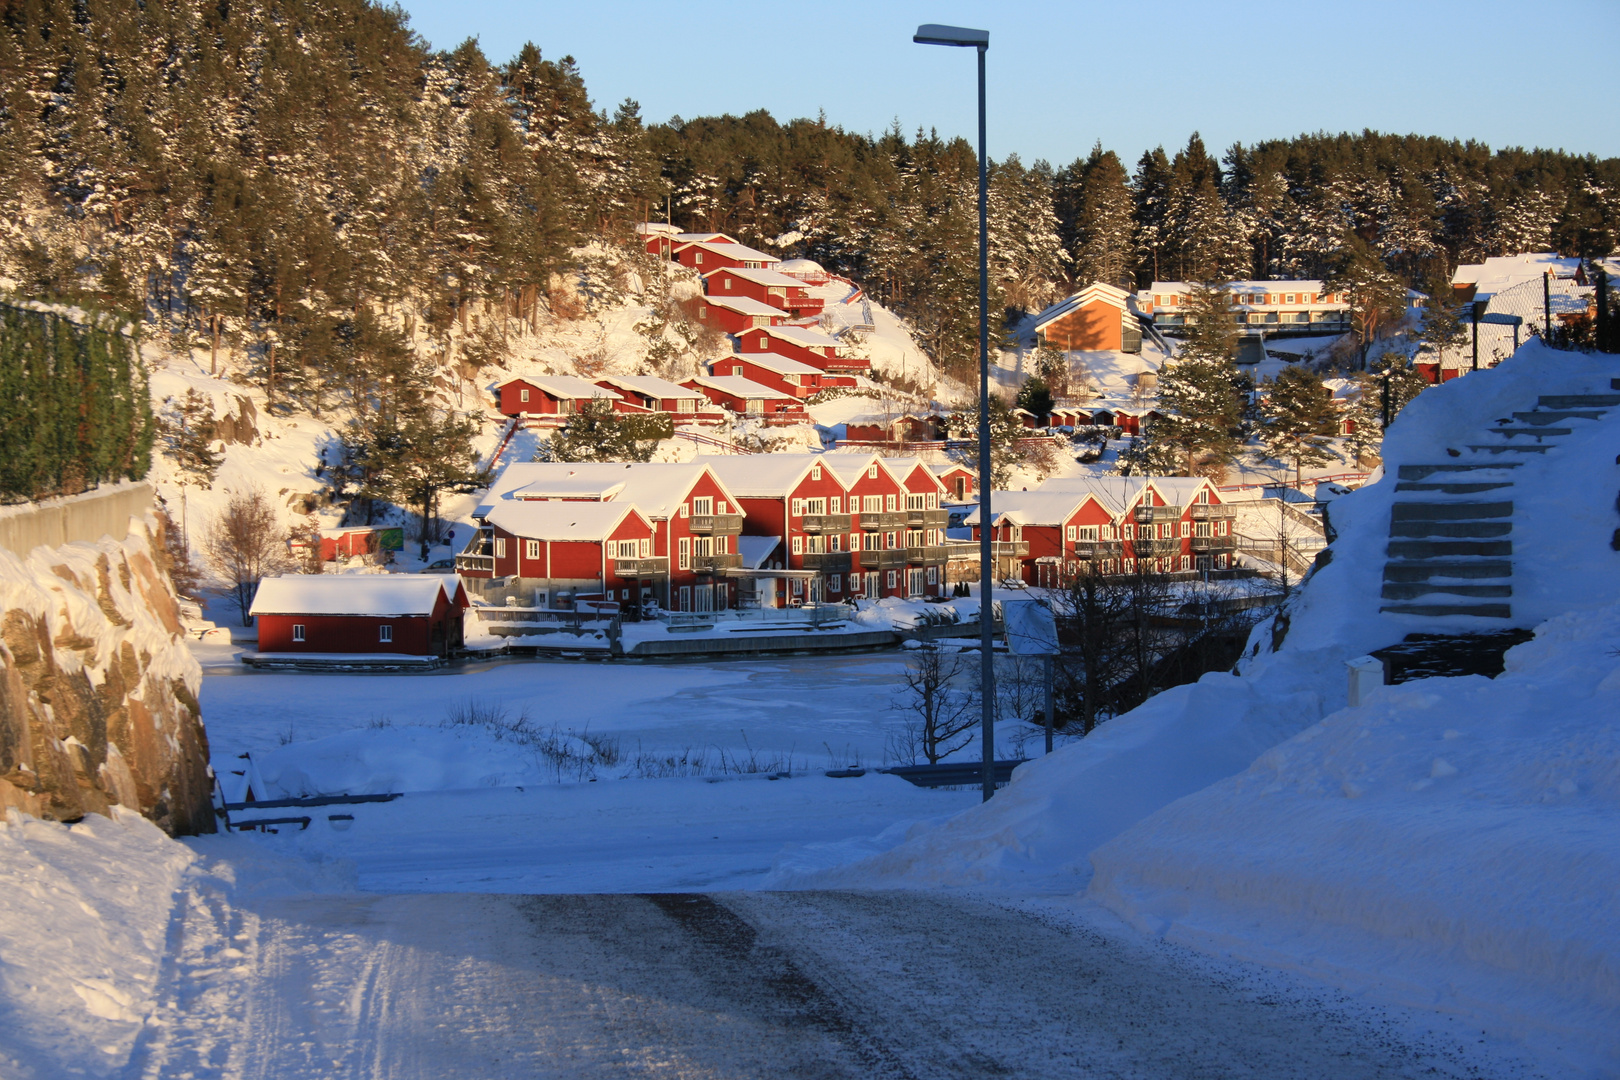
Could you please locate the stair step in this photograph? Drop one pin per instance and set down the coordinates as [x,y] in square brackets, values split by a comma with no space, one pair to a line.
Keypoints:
[1614,384]
[1430,568]
[1443,549]
[1461,529]
[1422,472]
[1455,488]
[1394,590]
[1509,449]
[1484,611]
[1541,418]
[1458,511]
[1578,401]
[1537,432]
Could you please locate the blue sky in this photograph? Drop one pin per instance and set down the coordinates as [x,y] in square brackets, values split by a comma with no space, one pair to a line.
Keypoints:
[1062,75]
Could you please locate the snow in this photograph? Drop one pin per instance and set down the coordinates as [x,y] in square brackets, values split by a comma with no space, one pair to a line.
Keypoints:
[348,594]
[82,937]
[539,519]
[739,387]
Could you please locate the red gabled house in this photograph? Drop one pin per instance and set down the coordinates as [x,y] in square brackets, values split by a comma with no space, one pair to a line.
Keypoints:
[543,547]
[1047,538]
[765,285]
[798,501]
[798,343]
[1165,525]
[778,373]
[409,614]
[550,399]
[736,314]
[645,393]
[740,395]
[705,256]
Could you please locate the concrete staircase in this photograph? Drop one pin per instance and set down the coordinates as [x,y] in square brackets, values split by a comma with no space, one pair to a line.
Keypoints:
[1451,529]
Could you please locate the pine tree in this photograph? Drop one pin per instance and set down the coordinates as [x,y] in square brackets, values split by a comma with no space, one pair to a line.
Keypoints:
[1035,396]
[597,433]
[1299,420]
[1382,392]
[1199,393]
[1377,299]
[1150,191]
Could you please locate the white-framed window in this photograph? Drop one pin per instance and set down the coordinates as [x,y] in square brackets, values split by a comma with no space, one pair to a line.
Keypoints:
[890,503]
[834,540]
[1220,562]
[703,505]
[697,256]
[686,598]
[1186,562]
[531,549]
[889,539]
[1087,532]
[892,578]
[796,508]
[737,370]
[703,313]
[762,339]
[683,557]
[728,283]
[798,545]
[871,471]
[870,504]
[815,506]
[1202,497]
[855,583]
[835,505]
[933,500]
[523,395]
[1186,528]
[1071,533]
[685,405]
[1128,565]
[854,541]
[1288,298]
[1126,532]
[815,471]
[933,575]
[644,547]
[798,586]
[1201,528]
[500,547]
[385,633]
[914,502]
[298,631]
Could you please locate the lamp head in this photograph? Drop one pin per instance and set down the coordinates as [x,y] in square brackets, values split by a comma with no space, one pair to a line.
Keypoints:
[959,36]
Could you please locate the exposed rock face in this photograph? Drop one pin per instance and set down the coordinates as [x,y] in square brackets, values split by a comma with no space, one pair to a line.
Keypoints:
[98,692]
[241,426]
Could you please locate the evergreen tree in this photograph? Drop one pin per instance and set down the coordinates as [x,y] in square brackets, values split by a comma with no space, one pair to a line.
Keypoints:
[1005,431]
[1299,420]
[1035,396]
[597,433]
[1200,394]
[1101,241]
[1382,392]
[1377,299]
[1150,191]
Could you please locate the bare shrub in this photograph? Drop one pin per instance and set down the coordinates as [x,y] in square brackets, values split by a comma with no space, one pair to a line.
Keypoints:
[246,544]
[938,716]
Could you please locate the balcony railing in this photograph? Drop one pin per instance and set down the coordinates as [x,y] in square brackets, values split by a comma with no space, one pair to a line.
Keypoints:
[709,524]
[925,554]
[1214,543]
[475,564]
[656,566]
[928,519]
[829,562]
[1159,513]
[887,559]
[883,519]
[999,549]
[708,564]
[1210,511]
[824,523]
[1149,548]
[1098,549]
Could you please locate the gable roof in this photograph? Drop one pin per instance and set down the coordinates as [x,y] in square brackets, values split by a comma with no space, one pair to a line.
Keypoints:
[348,594]
[535,519]
[731,250]
[737,386]
[850,468]
[798,335]
[745,305]
[903,467]
[1117,494]
[650,386]
[782,365]
[1097,291]
[562,386]
[765,476]
[657,489]
[1034,507]
[759,276]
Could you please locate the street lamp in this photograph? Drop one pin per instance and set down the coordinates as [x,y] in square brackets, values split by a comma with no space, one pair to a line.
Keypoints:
[963,38]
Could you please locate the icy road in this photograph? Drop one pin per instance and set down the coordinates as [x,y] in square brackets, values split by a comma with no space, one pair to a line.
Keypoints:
[870,985]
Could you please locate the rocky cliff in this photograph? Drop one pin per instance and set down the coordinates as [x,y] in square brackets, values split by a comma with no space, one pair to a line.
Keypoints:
[98,691]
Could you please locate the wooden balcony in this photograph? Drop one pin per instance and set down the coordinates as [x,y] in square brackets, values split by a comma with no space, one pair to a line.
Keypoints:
[709,564]
[887,559]
[926,554]
[817,524]
[714,524]
[1151,549]
[999,549]
[1210,512]
[1147,514]
[1098,549]
[883,519]
[828,562]
[656,566]
[475,564]
[928,519]
[1202,544]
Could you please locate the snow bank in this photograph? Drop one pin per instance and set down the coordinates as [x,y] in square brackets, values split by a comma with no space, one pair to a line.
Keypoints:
[82,932]
[1454,840]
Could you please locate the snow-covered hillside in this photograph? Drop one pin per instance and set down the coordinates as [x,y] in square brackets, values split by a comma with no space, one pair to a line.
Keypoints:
[1449,842]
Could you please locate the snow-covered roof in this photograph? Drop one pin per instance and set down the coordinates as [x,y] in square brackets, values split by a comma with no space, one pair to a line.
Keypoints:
[656,488]
[782,365]
[1096,291]
[705,238]
[655,228]
[558,520]
[765,476]
[1118,493]
[1505,271]
[732,250]
[746,305]
[348,594]
[1038,507]
[800,266]
[564,386]
[759,276]
[903,467]
[798,335]
[737,386]
[756,550]
[650,386]
[851,467]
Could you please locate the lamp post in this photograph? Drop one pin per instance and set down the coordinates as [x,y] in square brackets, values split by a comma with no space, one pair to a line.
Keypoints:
[963,38]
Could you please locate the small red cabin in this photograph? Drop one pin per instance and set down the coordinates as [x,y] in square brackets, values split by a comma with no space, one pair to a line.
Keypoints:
[704,256]
[778,373]
[742,395]
[735,314]
[797,343]
[765,285]
[550,396]
[416,615]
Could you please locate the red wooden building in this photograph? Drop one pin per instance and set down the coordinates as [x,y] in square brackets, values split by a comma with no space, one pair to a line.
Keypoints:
[1164,525]
[662,239]
[779,373]
[740,395]
[798,501]
[1046,538]
[1099,317]
[410,614]
[960,482]
[736,314]
[806,346]
[705,256]
[650,394]
[550,399]
[767,286]
[548,546]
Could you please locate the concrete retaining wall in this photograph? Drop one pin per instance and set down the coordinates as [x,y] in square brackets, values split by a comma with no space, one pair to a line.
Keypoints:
[103,512]
[746,644]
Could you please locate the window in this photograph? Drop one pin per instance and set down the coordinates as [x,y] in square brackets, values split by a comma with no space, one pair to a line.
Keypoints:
[889,503]
[627,549]
[915,502]
[298,631]
[1202,497]
[1071,533]
[720,507]
[683,558]
[1200,528]
[1129,565]
[644,547]
[871,471]
[1125,532]
[815,472]
[523,395]
[798,545]
[796,508]
[815,506]
[685,405]
[873,504]
[835,505]
[1288,299]
[385,633]
[500,547]
[1186,563]
[686,596]
[1087,532]
[854,541]
[531,549]
[892,578]
[835,583]
[933,501]
[798,586]
[728,283]
[703,505]
[854,583]
[1164,531]
[697,256]
[1186,528]
[1220,562]
[933,575]
[762,341]
[833,541]
[703,313]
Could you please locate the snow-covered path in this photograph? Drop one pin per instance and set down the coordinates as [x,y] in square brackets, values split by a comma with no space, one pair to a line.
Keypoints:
[734,985]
